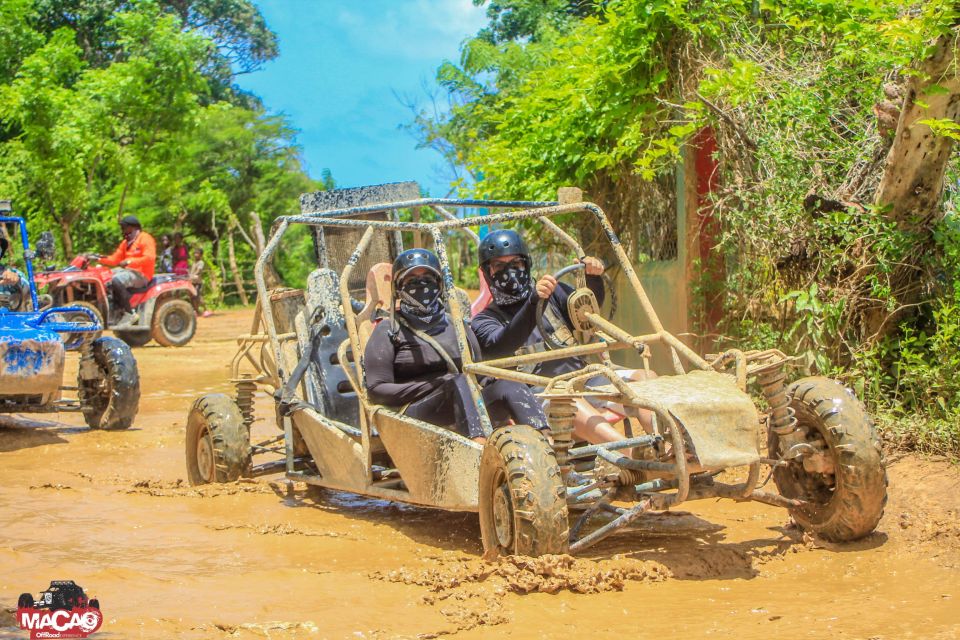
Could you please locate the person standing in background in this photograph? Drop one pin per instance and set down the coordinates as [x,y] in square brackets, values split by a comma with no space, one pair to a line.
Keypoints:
[166,254]
[196,277]
[180,255]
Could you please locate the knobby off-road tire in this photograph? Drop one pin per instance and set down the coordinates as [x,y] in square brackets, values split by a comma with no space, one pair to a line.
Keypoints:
[134,338]
[174,323]
[523,506]
[94,604]
[25,601]
[218,441]
[851,506]
[111,400]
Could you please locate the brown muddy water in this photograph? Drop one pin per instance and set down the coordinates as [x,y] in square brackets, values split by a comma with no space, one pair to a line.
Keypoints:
[262,559]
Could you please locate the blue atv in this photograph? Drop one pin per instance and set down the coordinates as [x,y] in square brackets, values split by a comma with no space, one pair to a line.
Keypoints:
[33,347]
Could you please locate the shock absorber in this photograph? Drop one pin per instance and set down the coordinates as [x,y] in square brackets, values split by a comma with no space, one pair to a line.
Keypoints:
[246,388]
[560,414]
[771,379]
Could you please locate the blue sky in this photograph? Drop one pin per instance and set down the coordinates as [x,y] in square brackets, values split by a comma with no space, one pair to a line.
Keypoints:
[340,67]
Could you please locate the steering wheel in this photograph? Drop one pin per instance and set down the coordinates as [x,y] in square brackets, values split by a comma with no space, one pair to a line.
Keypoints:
[548,338]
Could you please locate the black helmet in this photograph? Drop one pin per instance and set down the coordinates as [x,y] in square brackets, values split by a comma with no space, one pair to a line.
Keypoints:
[413,259]
[130,221]
[503,242]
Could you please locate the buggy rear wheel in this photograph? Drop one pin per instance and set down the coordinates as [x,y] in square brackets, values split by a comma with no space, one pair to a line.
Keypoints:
[174,323]
[846,504]
[108,384]
[218,441]
[25,601]
[523,506]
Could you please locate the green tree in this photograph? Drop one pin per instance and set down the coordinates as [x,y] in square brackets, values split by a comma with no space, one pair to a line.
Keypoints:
[82,135]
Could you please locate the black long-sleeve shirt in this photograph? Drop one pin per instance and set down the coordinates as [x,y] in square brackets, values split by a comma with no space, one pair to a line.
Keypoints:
[404,369]
[501,331]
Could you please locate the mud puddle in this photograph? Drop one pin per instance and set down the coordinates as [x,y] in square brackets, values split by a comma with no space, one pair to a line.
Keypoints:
[264,559]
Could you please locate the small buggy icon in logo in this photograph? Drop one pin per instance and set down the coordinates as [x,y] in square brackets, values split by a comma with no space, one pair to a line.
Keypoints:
[62,611]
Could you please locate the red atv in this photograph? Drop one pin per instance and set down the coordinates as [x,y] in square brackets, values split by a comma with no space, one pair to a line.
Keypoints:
[165,304]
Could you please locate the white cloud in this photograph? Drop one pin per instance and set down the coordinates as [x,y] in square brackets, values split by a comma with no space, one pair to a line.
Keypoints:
[412,29]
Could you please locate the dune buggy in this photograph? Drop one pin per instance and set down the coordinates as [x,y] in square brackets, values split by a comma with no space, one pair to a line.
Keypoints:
[534,496]
[33,347]
[61,594]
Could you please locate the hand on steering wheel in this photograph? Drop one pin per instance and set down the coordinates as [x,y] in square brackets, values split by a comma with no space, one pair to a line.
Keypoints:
[592,266]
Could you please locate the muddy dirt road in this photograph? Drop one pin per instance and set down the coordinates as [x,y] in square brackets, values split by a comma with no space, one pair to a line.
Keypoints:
[111,510]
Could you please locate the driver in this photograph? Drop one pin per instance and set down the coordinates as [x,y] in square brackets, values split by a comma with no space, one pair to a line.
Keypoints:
[412,359]
[12,282]
[134,261]
[508,325]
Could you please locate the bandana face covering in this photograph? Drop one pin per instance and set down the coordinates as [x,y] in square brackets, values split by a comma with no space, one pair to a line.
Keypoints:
[420,298]
[510,285]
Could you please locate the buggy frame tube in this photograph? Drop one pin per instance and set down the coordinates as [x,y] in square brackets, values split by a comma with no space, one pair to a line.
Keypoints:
[458,327]
[27,259]
[340,217]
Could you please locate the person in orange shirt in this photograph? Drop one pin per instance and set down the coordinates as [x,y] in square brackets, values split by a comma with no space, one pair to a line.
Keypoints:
[134,261]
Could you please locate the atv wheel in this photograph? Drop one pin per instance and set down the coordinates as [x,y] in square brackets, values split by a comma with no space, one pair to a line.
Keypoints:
[79,316]
[110,397]
[218,441]
[848,503]
[94,604]
[523,506]
[134,338]
[174,323]
[25,601]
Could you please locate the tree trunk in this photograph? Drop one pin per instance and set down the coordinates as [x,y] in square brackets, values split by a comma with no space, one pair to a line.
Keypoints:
[270,274]
[237,279]
[912,184]
[66,238]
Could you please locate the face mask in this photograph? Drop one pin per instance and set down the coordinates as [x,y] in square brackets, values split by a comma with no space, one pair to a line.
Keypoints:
[510,285]
[420,297]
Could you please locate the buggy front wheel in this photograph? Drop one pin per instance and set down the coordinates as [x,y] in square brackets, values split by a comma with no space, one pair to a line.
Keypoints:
[109,384]
[523,506]
[844,483]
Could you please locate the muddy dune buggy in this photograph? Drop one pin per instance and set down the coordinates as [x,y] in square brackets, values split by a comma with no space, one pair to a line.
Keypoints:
[33,347]
[61,594]
[533,497]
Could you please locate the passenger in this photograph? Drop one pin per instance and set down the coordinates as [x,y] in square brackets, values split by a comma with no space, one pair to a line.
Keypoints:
[413,362]
[508,325]
[13,283]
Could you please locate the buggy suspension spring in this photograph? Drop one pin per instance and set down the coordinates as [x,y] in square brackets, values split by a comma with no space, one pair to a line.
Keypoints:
[246,388]
[783,420]
[560,414]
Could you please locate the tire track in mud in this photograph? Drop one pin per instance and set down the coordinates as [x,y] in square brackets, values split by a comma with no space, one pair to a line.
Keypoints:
[471,592]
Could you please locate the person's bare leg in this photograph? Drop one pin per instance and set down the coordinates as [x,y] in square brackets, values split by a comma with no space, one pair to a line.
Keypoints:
[645,416]
[590,425]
